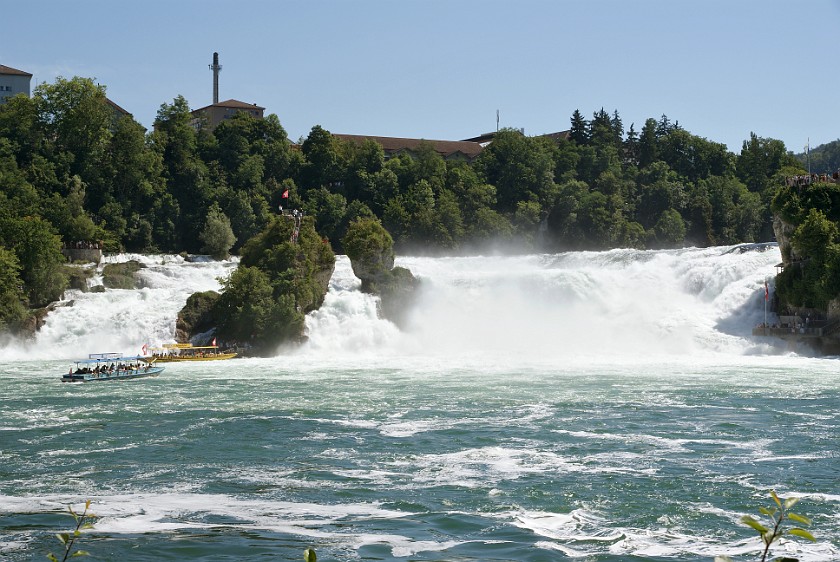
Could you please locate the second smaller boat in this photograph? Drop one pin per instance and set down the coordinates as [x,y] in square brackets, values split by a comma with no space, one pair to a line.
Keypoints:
[172,352]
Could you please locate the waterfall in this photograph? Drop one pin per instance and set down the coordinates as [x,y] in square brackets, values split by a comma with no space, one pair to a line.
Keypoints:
[119,320]
[621,303]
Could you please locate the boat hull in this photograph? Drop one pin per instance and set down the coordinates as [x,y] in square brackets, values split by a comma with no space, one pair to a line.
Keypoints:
[121,375]
[176,359]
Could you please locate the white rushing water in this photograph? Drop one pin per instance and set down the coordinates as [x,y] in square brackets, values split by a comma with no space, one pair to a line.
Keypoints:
[623,304]
[118,320]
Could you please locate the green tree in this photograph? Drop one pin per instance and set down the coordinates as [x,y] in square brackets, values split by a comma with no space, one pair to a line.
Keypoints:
[20,127]
[814,236]
[324,166]
[12,297]
[187,176]
[648,149]
[38,250]
[76,116]
[217,235]
[521,169]
[760,160]
[579,131]
[669,230]
[245,306]
[328,209]
[369,247]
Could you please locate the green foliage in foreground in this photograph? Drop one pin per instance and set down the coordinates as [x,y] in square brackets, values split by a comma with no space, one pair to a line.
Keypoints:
[775,517]
[84,520]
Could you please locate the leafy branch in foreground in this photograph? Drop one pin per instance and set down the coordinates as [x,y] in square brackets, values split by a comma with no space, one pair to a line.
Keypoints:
[84,520]
[776,517]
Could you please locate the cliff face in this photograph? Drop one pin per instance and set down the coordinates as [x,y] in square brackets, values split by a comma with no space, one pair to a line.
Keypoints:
[783,231]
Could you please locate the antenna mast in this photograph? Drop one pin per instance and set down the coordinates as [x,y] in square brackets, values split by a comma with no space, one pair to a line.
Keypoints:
[216,68]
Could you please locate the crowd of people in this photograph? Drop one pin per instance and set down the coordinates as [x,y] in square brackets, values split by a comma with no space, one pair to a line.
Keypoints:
[808,179]
[84,245]
[109,369]
[296,215]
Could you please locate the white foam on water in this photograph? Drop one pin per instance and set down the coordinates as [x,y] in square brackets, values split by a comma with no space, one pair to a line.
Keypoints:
[672,444]
[581,533]
[167,513]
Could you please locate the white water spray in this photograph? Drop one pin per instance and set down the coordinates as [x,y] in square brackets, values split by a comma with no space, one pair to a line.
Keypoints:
[623,304]
[118,320]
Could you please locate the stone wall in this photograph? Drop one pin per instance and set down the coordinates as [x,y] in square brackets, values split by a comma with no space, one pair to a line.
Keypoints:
[82,255]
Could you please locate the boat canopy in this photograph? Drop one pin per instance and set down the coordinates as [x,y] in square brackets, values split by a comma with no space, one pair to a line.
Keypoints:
[111,357]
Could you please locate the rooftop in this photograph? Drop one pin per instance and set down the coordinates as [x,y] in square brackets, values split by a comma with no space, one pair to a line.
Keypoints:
[13,71]
[232,104]
[394,144]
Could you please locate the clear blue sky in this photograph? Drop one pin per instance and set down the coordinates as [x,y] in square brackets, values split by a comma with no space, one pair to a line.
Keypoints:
[439,69]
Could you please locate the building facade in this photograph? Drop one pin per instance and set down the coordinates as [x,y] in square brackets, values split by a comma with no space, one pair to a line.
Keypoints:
[13,82]
[211,115]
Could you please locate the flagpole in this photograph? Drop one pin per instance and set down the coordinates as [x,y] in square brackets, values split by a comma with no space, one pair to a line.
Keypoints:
[808,154]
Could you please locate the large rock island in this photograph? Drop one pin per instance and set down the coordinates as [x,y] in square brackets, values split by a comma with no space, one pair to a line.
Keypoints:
[283,273]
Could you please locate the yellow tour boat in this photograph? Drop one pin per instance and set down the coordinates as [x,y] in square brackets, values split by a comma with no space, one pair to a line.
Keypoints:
[172,352]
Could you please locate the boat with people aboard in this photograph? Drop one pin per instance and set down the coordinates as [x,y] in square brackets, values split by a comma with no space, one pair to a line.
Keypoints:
[172,352]
[112,367]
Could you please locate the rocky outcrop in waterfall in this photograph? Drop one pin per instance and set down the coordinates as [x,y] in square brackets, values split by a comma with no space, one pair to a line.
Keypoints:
[197,316]
[371,251]
[121,275]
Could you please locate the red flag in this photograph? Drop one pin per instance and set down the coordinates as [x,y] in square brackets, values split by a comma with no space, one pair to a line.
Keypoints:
[285,194]
[766,292]
[145,348]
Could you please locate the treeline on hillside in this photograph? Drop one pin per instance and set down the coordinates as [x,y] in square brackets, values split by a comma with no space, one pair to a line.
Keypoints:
[70,170]
[823,159]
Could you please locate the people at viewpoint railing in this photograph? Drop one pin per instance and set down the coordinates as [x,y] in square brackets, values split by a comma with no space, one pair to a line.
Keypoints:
[84,245]
[109,369]
[808,179]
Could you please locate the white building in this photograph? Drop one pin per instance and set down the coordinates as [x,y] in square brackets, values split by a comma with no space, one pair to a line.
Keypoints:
[13,82]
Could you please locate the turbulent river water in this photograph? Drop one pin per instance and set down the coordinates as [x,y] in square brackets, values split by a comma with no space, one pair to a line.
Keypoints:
[594,406]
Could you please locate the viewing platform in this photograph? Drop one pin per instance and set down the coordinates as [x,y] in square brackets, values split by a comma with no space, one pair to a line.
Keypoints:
[83,251]
[796,327]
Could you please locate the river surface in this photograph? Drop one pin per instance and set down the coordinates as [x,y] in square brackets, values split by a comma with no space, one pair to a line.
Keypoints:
[588,406]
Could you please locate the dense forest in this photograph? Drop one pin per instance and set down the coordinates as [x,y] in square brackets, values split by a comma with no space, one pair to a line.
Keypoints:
[71,170]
